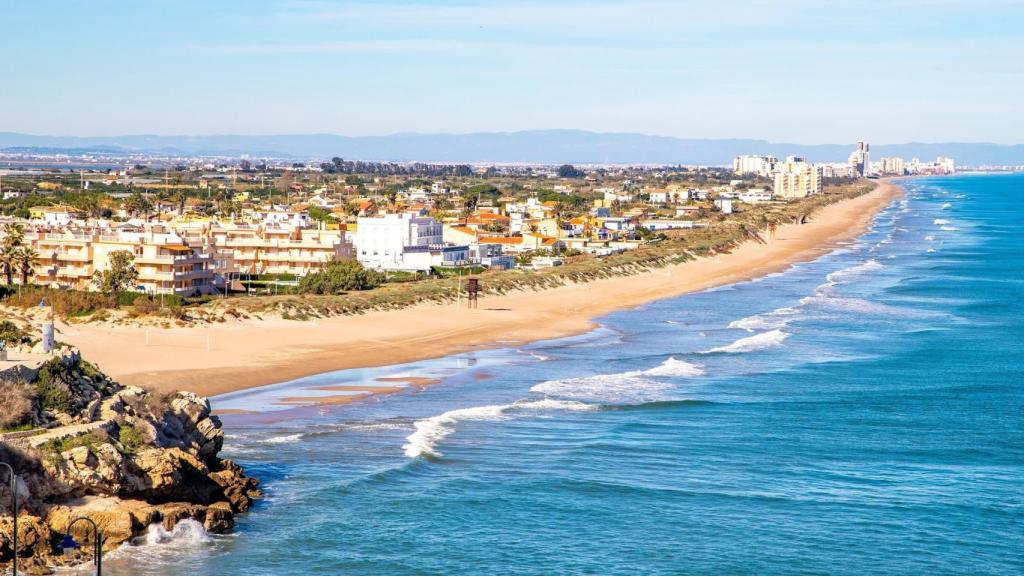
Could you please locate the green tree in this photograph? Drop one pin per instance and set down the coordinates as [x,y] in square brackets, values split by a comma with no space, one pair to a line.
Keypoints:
[120,276]
[340,276]
[137,204]
[569,171]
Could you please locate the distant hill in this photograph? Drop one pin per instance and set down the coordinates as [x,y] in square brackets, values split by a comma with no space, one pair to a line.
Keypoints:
[534,146]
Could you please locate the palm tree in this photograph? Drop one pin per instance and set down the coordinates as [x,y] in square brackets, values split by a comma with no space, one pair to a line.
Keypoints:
[14,239]
[25,258]
[7,264]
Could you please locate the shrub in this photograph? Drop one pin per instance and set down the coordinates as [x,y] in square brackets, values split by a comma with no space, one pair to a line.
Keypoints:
[17,399]
[338,277]
[11,334]
[131,438]
[53,387]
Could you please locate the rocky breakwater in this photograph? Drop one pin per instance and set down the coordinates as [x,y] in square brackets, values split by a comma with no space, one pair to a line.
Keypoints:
[82,445]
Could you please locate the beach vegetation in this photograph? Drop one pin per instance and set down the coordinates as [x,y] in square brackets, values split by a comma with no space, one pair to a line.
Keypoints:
[339,277]
[18,400]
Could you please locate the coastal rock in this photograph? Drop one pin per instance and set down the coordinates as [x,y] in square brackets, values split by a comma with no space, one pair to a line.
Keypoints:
[33,534]
[219,517]
[118,525]
[173,474]
[120,456]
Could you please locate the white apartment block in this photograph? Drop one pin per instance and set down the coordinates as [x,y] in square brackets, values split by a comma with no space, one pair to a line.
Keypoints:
[759,165]
[381,241]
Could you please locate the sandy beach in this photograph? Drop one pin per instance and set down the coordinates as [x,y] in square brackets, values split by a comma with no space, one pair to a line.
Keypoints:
[216,359]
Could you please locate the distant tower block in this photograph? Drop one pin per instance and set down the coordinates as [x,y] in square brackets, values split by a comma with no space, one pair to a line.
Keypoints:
[473,291]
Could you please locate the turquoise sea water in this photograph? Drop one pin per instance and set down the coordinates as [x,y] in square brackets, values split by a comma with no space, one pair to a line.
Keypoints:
[860,414]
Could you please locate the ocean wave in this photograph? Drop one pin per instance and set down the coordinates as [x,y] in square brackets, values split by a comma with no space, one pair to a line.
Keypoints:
[947,206]
[287,439]
[625,388]
[553,404]
[949,228]
[930,238]
[753,343]
[431,431]
[186,532]
[675,367]
[158,543]
[862,268]
[940,221]
[767,321]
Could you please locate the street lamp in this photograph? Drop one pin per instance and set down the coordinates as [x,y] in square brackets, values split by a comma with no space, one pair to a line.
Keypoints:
[14,503]
[68,544]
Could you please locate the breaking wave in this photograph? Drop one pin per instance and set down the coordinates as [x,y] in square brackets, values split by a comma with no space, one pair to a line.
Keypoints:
[187,532]
[863,268]
[753,343]
[940,221]
[430,431]
[766,321]
[288,439]
[674,367]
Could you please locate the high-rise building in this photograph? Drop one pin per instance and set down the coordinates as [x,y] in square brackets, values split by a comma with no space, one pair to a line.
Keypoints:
[795,178]
[946,165]
[860,159]
[760,165]
[893,166]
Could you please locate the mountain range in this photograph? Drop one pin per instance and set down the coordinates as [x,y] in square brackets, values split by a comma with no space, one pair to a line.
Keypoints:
[534,146]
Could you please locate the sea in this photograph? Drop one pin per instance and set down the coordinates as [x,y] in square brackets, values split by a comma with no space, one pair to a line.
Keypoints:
[859,414]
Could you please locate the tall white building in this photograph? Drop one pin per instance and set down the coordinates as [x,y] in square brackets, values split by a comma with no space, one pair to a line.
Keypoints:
[381,241]
[760,165]
[892,166]
[860,159]
[795,178]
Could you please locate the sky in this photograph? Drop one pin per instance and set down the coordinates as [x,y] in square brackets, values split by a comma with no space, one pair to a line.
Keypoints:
[802,71]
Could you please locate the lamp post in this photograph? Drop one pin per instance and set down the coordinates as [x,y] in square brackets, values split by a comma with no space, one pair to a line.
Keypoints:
[14,503]
[69,545]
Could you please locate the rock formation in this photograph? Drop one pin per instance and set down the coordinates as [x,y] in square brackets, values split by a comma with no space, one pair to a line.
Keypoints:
[86,446]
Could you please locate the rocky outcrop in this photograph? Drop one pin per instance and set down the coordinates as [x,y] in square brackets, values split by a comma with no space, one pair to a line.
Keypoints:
[121,456]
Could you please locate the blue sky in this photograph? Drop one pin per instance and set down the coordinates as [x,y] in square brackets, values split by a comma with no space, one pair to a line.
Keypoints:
[788,70]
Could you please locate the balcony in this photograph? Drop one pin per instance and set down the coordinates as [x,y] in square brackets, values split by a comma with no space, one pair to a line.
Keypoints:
[72,257]
[75,272]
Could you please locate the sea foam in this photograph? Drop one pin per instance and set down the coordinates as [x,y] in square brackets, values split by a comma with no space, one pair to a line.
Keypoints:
[767,321]
[753,343]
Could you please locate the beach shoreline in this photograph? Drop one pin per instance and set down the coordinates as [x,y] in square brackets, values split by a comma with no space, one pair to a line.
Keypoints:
[212,360]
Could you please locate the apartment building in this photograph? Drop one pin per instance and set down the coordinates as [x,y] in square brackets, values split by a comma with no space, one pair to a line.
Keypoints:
[759,165]
[69,258]
[796,178]
[380,242]
[272,249]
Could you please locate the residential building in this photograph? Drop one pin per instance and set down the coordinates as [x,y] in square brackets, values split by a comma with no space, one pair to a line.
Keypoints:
[796,178]
[860,160]
[892,166]
[381,241]
[759,165]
